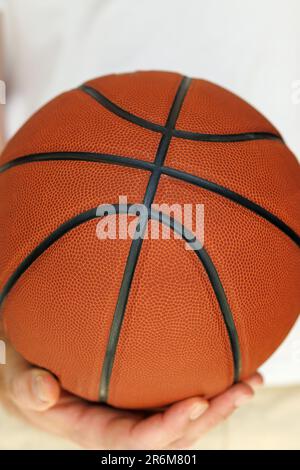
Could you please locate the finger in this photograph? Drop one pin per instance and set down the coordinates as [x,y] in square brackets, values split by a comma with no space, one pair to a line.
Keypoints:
[221,407]
[255,381]
[161,429]
[33,389]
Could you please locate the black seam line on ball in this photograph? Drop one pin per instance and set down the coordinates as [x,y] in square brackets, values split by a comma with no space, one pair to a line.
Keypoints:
[235,197]
[165,141]
[78,156]
[136,244]
[188,135]
[247,136]
[225,310]
[43,246]
[115,109]
[178,174]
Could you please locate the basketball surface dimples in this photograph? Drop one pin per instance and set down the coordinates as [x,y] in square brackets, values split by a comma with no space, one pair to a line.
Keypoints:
[144,323]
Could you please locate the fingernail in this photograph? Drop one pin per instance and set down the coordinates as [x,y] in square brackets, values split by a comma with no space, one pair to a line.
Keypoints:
[198,410]
[40,389]
[241,400]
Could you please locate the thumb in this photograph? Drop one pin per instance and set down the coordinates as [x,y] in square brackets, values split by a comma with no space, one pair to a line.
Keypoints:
[34,389]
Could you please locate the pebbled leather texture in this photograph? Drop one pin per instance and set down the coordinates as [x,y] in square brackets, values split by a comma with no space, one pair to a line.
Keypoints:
[59,315]
[75,122]
[209,108]
[264,171]
[128,92]
[173,342]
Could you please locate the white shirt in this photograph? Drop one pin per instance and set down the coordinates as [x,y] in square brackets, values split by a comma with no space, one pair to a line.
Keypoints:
[252,48]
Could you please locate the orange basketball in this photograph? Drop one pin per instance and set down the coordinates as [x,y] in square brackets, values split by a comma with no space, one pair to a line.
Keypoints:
[142,322]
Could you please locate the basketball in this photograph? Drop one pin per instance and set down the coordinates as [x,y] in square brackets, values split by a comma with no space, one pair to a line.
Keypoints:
[140,322]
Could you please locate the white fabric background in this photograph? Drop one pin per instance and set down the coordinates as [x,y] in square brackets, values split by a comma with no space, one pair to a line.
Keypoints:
[251,47]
